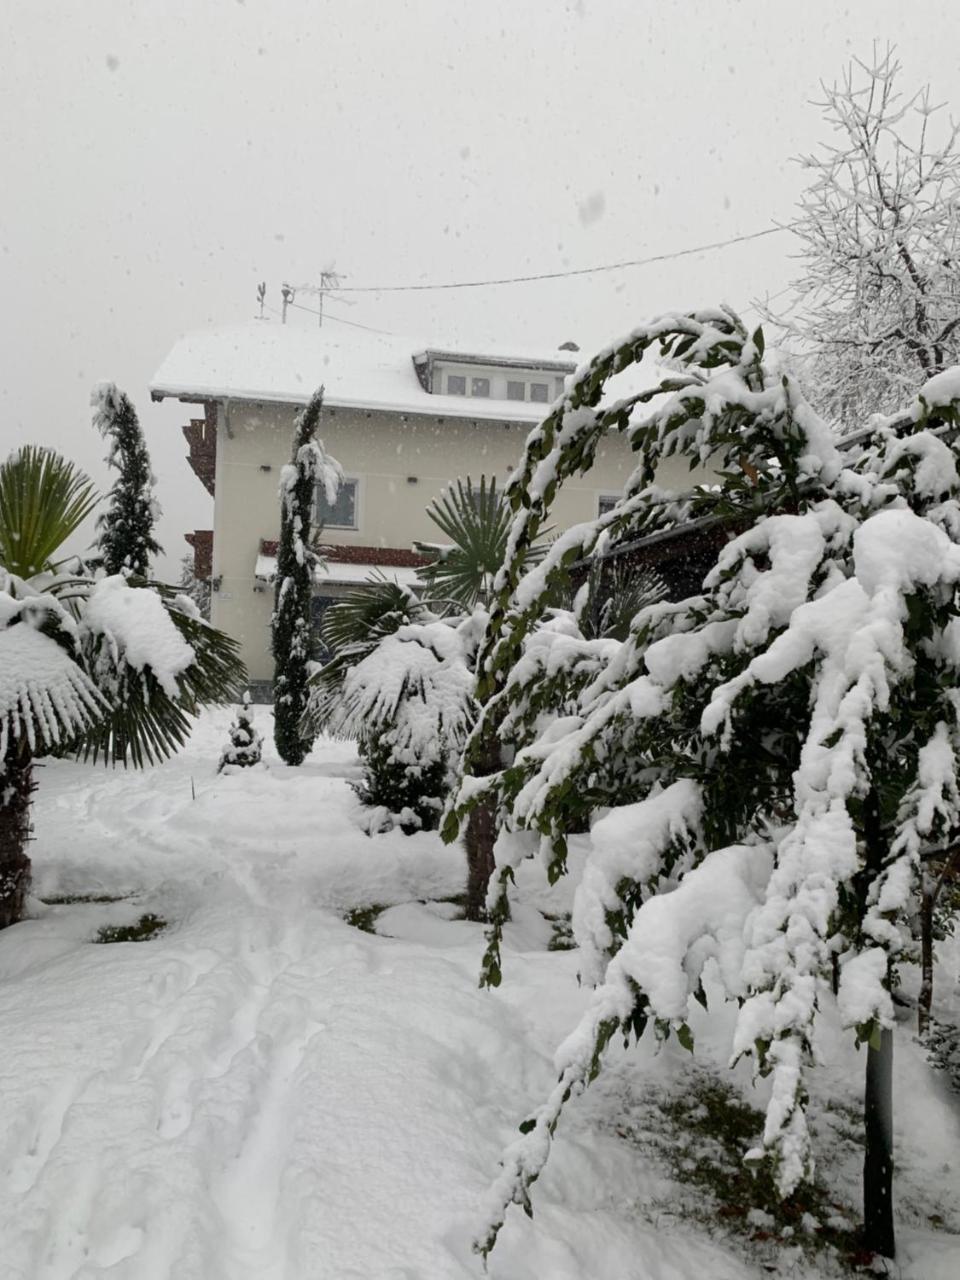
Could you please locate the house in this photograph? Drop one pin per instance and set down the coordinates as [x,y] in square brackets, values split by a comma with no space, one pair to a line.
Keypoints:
[402,418]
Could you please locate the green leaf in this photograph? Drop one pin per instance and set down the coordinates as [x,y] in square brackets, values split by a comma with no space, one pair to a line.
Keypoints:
[528,1126]
[685,1036]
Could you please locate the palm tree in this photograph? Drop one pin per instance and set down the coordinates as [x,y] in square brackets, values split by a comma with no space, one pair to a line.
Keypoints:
[112,668]
[477,521]
[458,581]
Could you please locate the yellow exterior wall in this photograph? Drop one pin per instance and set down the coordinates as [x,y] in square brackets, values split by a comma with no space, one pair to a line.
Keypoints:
[380,450]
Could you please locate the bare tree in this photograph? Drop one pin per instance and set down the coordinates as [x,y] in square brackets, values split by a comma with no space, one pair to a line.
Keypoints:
[877,309]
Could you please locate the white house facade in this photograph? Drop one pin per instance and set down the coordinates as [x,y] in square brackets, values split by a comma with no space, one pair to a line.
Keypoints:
[403,419]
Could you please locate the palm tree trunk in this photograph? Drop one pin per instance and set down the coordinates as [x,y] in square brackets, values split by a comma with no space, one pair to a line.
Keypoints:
[16,787]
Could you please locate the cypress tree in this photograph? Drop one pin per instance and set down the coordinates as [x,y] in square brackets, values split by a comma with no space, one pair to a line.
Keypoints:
[125,540]
[296,566]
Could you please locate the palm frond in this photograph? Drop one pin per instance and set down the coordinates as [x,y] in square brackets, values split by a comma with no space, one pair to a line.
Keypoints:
[476,520]
[47,699]
[43,500]
[352,628]
[148,723]
[368,613]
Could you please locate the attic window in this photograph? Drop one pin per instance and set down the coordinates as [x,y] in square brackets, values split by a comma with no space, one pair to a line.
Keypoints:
[480,386]
[456,384]
[516,391]
[539,392]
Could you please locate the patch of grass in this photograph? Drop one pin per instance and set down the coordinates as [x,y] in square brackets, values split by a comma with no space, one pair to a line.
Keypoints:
[71,899]
[148,926]
[701,1135]
[561,939]
[365,918]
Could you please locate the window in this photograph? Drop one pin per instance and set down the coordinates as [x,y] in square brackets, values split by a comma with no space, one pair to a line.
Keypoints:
[342,514]
[516,391]
[479,386]
[539,392]
[456,384]
[561,386]
[606,502]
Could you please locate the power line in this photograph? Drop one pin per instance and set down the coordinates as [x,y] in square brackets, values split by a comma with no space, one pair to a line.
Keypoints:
[354,324]
[561,275]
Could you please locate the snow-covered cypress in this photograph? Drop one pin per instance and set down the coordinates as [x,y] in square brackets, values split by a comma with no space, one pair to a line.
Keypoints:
[765,766]
[245,744]
[125,540]
[296,568]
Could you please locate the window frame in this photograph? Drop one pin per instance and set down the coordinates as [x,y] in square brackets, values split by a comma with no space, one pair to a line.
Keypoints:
[457,377]
[545,398]
[512,383]
[608,499]
[322,524]
[480,395]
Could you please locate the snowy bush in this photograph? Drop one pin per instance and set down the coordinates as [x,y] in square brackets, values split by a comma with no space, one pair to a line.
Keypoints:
[409,704]
[765,766]
[245,744]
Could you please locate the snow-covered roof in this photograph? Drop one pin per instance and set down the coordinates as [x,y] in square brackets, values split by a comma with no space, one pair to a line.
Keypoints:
[271,362]
[340,571]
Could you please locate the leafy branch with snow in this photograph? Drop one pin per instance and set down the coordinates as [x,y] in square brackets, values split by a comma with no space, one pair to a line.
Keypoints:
[763,765]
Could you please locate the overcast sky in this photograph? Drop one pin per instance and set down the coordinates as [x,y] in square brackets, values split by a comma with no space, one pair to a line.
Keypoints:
[158,158]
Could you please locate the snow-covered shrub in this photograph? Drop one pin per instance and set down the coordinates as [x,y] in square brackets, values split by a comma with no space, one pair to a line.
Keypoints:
[409,704]
[765,765]
[244,747]
[406,768]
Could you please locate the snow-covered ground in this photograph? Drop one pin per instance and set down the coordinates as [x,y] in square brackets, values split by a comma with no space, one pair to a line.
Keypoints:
[263,1090]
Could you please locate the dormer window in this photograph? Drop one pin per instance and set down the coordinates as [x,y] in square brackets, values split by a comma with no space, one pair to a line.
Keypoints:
[539,392]
[456,384]
[480,386]
[516,391]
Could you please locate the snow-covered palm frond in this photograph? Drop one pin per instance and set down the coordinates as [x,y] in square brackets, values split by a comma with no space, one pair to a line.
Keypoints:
[47,699]
[43,500]
[415,685]
[352,628]
[158,663]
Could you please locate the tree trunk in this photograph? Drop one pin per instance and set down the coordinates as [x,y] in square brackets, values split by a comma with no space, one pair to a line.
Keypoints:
[16,787]
[878,1231]
[478,840]
[481,834]
[925,999]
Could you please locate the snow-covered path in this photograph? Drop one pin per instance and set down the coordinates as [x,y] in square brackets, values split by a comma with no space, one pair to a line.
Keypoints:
[263,1090]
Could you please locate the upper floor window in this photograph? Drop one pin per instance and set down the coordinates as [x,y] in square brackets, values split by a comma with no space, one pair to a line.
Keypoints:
[516,391]
[479,386]
[539,392]
[341,514]
[606,502]
[456,384]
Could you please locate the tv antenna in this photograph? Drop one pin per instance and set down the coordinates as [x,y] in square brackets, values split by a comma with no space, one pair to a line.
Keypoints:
[329,282]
